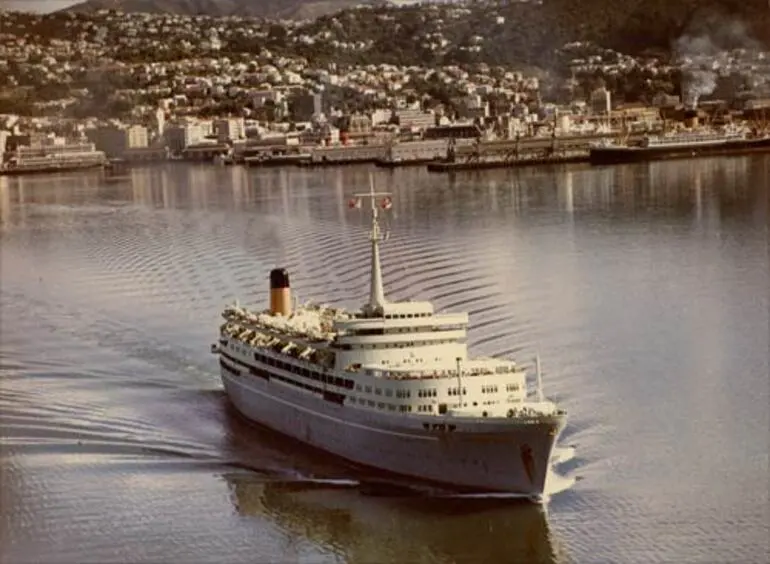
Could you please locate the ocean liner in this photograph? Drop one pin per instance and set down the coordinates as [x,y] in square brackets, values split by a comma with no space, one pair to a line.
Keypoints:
[389,387]
[682,145]
[51,158]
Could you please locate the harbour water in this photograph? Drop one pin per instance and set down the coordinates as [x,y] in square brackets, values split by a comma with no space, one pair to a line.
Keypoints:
[644,288]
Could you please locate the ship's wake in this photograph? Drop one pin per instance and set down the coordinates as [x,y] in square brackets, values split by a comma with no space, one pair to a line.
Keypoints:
[562,454]
[557,483]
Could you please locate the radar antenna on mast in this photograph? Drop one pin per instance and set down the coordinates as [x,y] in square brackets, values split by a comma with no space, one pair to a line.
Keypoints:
[385,203]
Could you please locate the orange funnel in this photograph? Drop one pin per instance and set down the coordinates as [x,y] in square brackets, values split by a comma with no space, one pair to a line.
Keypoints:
[280,292]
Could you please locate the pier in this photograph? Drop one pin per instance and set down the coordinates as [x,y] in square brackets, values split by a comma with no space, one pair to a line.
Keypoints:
[409,153]
[345,154]
[530,159]
[276,160]
[524,151]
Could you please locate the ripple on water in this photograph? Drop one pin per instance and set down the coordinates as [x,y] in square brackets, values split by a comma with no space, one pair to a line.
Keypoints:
[116,422]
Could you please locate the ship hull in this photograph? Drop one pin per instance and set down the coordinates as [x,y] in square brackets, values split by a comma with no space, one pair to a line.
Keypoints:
[619,155]
[481,455]
[50,169]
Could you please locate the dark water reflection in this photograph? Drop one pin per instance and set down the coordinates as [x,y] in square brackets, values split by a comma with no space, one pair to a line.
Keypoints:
[644,288]
[385,529]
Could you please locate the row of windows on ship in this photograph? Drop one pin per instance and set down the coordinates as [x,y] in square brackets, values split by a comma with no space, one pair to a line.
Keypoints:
[393,345]
[397,330]
[340,398]
[395,315]
[350,384]
[689,138]
[503,369]
[422,408]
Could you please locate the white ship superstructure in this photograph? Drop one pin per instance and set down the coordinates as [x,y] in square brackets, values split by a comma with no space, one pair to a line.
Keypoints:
[52,157]
[390,386]
[705,137]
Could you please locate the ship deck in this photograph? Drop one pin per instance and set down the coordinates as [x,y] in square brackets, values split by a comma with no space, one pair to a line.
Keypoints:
[308,331]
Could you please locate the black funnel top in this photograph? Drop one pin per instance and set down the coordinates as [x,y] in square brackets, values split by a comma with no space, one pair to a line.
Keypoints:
[279,278]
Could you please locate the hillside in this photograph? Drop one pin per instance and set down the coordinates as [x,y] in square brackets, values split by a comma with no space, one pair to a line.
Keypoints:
[634,25]
[531,29]
[273,9]
[638,50]
[527,34]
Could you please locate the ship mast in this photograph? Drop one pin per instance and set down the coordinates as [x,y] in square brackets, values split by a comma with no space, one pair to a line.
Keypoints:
[376,289]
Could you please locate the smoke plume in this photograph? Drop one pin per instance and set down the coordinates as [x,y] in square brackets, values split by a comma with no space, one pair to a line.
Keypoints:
[704,50]
[699,83]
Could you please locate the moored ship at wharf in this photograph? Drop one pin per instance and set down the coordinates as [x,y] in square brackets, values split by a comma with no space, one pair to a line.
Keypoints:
[681,145]
[66,157]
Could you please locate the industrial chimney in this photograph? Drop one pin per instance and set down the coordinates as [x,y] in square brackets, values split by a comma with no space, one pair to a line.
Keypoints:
[280,292]
[691,119]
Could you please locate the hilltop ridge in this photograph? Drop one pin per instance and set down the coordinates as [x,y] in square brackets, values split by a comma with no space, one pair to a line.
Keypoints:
[272,9]
[521,31]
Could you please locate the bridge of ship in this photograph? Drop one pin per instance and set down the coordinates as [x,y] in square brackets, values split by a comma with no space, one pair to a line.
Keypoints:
[391,319]
[392,323]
